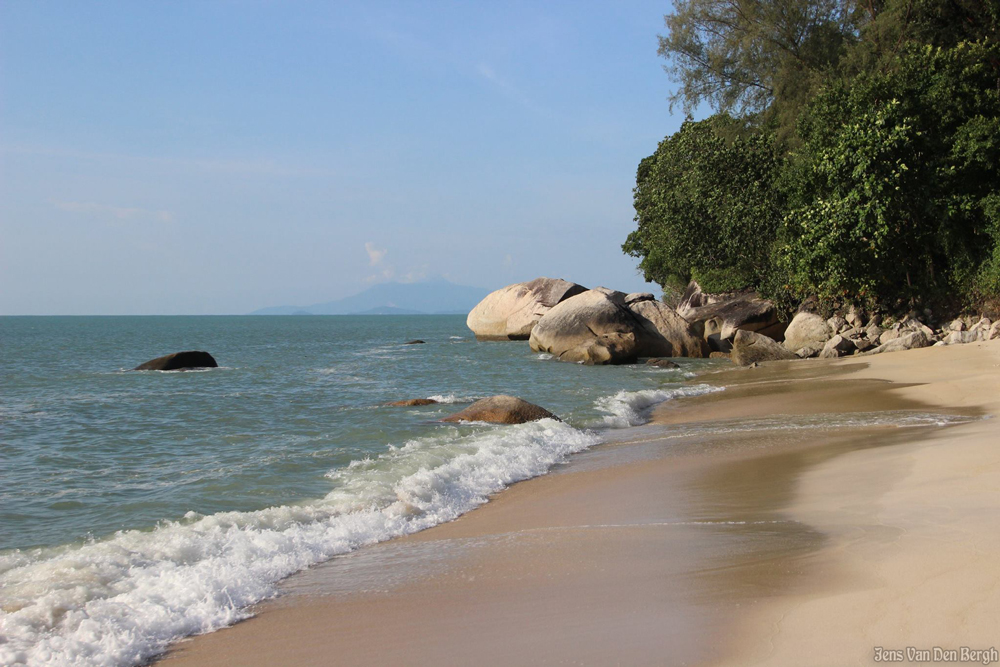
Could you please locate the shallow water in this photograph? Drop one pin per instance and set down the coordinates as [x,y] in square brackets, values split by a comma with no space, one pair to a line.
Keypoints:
[137,507]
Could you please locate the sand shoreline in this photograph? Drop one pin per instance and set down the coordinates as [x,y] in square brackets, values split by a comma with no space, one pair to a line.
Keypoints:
[714,548]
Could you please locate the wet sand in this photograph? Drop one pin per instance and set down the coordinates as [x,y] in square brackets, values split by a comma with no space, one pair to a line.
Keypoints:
[695,543]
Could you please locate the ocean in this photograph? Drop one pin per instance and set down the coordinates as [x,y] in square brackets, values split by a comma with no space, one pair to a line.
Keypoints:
[140,507]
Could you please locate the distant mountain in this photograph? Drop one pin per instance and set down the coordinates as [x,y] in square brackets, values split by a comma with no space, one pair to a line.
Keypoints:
[389,310]
[431,297]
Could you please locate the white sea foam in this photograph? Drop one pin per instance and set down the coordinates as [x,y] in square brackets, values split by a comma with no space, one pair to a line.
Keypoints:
[120,600]
[452,398]
[630,408]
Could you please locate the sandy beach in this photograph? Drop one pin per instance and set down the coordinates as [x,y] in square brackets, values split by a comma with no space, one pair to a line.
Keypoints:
[787,520]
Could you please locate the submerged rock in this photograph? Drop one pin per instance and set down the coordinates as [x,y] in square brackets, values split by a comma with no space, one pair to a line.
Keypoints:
[661,363]
[410,402]
[750,347]
[415,342]
[510,313]
[501,410]
[179,361]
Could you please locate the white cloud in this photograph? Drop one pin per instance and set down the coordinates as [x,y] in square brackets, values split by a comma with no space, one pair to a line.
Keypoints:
[116,212]
[375,254]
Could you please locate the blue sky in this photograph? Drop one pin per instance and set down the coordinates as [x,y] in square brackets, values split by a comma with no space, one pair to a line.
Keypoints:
[218,157]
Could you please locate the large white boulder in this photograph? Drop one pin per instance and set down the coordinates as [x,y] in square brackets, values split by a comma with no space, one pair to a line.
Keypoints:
[599,327]
[511,312]
[807,330]
[908,341]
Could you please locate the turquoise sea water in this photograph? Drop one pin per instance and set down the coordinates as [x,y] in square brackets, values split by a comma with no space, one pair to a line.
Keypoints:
[138,507]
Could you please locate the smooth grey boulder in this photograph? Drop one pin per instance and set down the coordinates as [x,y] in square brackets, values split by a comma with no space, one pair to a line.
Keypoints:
[750,347]
[890,334]
[598,327]
[906,342]
[982,328]
[838,346]
[179,361]
[854,317]
[807,330]
[864,344]
[961,337]
[913,324]
[723,314]
[694,298]
[501,410]
[837,324]
[511,312]
[636,297]
[808,352]
[664,333]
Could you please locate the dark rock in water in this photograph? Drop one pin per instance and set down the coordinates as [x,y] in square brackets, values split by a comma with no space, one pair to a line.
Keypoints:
[179,361]
[410,402]
[415,342]
[501,410]
[661,363]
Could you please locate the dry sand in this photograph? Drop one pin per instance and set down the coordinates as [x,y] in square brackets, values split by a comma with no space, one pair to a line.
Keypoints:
[700,543]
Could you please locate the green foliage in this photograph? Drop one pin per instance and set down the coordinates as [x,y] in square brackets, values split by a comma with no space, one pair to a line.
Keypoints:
[894,170]
[706,207]
[862,162]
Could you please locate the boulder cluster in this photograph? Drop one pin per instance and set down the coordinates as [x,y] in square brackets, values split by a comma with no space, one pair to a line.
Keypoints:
[811,335]
[604,326]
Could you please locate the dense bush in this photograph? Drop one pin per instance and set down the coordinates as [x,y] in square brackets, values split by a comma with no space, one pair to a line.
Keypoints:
[878,182]
[899,168]
[706,207]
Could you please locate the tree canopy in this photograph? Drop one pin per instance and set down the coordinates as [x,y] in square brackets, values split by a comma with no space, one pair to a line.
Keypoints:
[854,154]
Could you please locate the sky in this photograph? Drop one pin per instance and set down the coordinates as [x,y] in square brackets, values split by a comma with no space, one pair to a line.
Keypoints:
[215,157]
